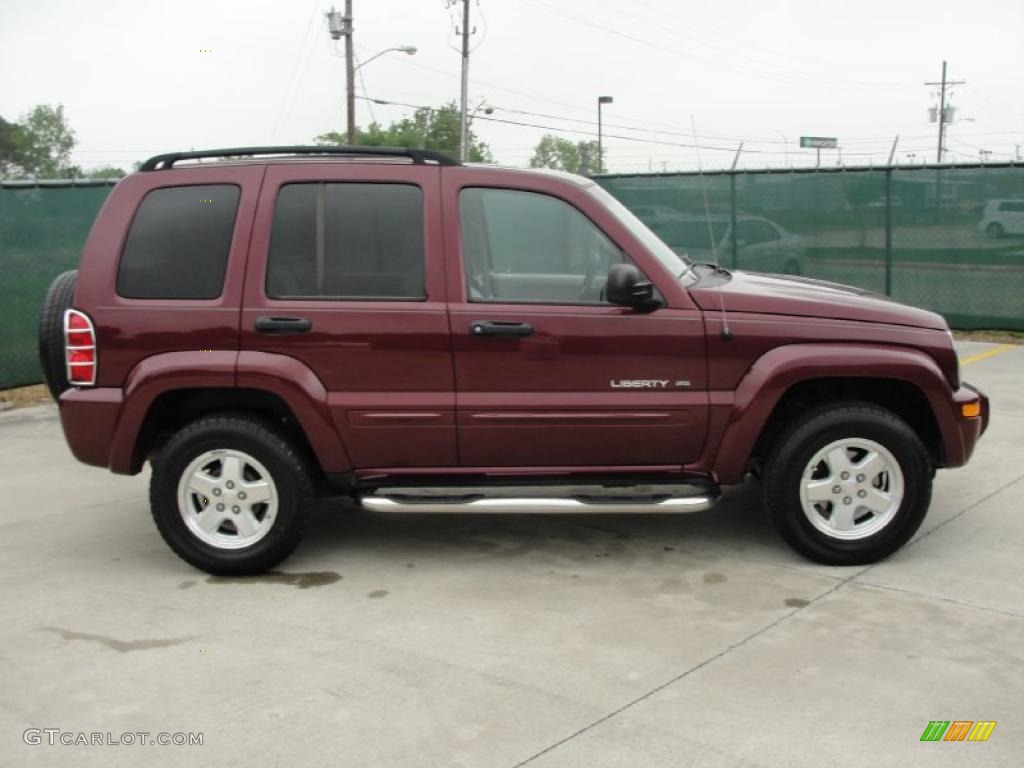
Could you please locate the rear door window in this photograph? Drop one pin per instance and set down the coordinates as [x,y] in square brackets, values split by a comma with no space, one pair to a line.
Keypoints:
[178,243]
[346,240]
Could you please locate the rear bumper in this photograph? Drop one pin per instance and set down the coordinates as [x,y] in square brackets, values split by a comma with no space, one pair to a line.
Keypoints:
[968,429]
[89,419]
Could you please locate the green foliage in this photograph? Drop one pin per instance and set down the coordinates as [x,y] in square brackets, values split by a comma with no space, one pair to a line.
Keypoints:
[106,172]
[8,148]
[43,141]
[40,145]
[566,155]
[428,128]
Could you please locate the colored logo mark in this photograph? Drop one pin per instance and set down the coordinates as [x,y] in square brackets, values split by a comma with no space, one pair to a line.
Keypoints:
[958,730]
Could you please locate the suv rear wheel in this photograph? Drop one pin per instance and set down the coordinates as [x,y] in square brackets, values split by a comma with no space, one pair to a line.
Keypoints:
[230,495]
[51,332]
[848,484]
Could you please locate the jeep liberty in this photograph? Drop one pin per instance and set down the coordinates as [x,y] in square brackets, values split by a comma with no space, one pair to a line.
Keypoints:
[266,325]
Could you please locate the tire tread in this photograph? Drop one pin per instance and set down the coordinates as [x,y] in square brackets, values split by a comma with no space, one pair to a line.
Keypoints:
[234,562]
[785,512]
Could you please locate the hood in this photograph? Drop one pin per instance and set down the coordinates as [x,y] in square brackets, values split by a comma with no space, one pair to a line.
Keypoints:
[804,297]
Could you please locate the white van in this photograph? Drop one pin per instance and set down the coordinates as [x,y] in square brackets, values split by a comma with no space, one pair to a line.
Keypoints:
[1003,217]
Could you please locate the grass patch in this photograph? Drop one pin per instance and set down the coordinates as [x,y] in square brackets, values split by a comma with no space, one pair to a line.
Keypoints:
[22,397]
[992,336]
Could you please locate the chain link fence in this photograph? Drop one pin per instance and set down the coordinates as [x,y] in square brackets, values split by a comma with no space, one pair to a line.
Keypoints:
[43,226]
[947,238]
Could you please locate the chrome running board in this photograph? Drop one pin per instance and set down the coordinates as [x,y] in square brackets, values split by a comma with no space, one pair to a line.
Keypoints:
[589,504]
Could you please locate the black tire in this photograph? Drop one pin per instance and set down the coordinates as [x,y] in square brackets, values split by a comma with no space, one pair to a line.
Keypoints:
[51,332]
[260,441]
[994,231]
[792,267]
[796,448]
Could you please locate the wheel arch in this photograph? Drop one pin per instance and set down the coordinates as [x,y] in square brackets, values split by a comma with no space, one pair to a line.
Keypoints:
[787,379]
[173,409]
[167,390]
[900,396]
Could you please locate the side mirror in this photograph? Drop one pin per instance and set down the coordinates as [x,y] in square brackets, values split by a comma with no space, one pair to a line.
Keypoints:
[627,287]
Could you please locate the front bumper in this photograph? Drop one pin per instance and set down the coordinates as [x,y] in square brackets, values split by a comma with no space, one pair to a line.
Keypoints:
[969,428]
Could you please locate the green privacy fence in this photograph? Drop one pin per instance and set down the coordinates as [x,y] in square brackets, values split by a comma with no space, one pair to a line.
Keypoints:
[42,229]
[947,238]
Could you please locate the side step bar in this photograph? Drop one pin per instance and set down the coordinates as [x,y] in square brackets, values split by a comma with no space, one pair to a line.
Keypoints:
[477,503]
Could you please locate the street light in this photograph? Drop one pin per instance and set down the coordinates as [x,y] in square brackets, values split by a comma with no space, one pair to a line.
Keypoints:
[601,100]
[409,49]
[488,110]
[339,25]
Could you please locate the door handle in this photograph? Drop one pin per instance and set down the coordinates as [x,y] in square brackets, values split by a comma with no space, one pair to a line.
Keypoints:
[499,328]
[283,325]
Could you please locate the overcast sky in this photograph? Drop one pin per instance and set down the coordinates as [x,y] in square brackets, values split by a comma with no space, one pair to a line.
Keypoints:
[135,79]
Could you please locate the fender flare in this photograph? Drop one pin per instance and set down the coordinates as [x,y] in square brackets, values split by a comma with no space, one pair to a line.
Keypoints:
[287,378]
[775,372]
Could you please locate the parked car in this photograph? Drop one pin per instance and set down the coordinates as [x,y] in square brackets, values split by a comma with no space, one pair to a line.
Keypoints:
[652,215]
[1001,218]
[761,245]
[273,324]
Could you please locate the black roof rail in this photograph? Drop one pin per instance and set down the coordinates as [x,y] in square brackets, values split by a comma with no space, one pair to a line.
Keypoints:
[418,156]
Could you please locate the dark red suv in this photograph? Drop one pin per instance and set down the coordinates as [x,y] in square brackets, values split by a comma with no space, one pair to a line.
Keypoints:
[268,324]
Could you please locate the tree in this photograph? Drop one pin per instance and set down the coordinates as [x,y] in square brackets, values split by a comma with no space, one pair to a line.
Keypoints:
[8,147]
[42,143]
[566,155]
[428,128]
[106,172]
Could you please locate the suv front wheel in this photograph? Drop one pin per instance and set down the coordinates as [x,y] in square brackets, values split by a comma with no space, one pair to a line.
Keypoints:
[848,484]
[230,495]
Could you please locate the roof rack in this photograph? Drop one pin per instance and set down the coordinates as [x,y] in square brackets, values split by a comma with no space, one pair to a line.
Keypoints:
[418,156]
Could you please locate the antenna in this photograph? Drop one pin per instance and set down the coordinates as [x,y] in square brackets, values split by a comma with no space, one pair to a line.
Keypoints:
[726,333]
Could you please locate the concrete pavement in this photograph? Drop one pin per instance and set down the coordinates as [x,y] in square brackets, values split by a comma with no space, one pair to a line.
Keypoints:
[513,640]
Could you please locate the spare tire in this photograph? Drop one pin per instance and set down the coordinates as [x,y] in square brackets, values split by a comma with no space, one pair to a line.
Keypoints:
[51,332]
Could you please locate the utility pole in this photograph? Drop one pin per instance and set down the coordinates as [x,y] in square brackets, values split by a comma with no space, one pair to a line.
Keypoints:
[944,85]
[464,121]
[350,76]
[341,26]
[601,101]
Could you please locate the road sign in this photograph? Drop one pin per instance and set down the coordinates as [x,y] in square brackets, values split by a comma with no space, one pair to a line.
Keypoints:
[818,142]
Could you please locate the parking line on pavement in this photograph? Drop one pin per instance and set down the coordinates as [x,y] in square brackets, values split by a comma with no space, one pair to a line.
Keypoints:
[988,353]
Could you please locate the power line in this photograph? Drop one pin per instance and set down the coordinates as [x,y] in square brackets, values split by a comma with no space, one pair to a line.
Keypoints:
[749,71]
[881,139]
[636,139]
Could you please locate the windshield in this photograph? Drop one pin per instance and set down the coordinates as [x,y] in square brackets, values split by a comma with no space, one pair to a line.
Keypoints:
[676,264]
[690,234]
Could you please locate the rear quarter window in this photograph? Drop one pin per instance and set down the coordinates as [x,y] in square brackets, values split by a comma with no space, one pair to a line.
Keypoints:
[178,243]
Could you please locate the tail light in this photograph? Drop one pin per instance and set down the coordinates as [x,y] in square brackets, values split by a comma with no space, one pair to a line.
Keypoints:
[79,348]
